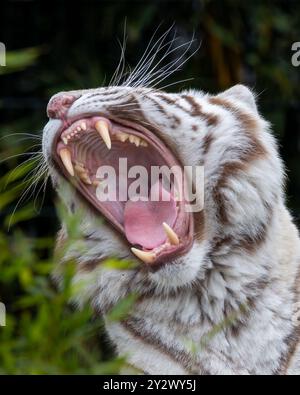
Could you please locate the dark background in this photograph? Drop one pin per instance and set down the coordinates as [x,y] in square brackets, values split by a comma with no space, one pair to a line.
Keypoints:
[54,46]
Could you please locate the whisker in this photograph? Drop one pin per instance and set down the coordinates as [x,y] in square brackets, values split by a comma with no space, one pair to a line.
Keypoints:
[177,82]
[119,72]
[147,53]
[170,67]
[42,188]
[142,76]
[19,155]
[146,74]
[26,192]
[27,163]
[28,135]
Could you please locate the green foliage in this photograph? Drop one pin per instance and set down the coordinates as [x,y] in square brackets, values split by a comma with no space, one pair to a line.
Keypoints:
[20,59]
[43,333]
[123,308]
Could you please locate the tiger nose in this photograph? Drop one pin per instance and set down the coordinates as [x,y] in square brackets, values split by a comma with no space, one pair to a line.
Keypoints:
[59,105]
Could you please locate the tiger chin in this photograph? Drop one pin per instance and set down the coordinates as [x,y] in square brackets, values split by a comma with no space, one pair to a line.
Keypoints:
[218,290]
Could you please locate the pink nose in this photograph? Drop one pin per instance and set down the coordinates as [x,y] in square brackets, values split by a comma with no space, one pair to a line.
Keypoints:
[59,105]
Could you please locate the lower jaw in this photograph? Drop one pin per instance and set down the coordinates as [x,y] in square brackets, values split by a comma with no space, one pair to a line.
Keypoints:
[164,253]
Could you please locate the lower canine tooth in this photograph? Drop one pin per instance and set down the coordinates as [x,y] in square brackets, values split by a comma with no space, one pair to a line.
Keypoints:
[147,257]
[65,156]
[102,129]
[65,140]
[172,236]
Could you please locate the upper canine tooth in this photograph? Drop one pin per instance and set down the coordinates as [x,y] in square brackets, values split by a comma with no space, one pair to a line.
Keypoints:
[145,256]
[102,128]
[172,236]
[65,140]
[65,156]
[83,126]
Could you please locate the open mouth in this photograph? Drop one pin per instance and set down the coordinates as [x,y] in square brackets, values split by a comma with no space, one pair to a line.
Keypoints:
[157,230]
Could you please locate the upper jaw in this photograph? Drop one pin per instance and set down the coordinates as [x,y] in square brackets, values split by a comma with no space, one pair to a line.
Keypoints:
[184,230]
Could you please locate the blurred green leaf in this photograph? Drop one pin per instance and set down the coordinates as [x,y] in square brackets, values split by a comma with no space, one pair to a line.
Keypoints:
[123,308]
[118,264]
[23,214]
[20,59]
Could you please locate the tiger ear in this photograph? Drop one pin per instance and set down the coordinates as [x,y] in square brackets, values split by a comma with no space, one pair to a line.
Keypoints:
[240,93]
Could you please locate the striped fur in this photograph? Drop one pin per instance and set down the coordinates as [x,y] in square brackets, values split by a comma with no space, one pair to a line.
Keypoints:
[226,307]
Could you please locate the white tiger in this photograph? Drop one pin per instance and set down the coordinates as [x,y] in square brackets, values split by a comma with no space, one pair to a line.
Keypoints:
[220,299]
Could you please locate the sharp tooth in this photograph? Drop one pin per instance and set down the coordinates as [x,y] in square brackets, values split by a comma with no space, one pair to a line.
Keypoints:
[122,137]
[85,178]
[102,129]
[134,140]
[144,143]
[83,126]
[147,257]
[79,168]
[172,236]
[82,174]
[65,140]
[65,156]
[137,141]
[131,138]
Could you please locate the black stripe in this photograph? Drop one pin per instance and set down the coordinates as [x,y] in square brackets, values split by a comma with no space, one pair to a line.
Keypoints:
[136,328]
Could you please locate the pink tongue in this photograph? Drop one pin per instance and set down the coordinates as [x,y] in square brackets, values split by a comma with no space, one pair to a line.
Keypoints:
[143,220]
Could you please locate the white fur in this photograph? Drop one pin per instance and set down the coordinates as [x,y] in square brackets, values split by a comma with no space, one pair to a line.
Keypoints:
[189,295]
